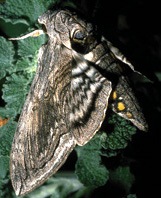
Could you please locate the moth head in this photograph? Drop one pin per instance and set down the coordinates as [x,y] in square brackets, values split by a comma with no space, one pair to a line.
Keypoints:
[69,30]
[82,34]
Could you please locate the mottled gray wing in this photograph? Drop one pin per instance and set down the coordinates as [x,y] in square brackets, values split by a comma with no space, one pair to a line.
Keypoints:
[43,139]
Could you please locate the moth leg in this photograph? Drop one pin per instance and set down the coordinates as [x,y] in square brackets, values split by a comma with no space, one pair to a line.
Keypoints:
[35,33]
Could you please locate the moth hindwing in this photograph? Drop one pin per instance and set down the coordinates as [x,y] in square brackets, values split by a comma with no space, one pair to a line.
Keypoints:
[68,98]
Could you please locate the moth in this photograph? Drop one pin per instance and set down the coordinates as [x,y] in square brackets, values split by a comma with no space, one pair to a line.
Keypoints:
[77,78]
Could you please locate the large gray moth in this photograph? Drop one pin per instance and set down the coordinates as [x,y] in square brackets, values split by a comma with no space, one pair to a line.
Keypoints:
[78,73]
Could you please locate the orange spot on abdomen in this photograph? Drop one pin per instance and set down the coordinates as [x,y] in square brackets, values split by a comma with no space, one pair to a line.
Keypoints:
[120,106]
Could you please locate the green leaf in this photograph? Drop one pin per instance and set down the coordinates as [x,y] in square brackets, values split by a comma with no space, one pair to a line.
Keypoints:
[89,169]
[2,74]
[158,75]
[26,65]
[68,3]
[6,56]
[27,47]
[121,134]
[14,21]
[123,178]
[131,196]
[6,112]
[6,136]
[15,90]
[4,166]
[25,8]
[13,27]
[57,187]
[5,188]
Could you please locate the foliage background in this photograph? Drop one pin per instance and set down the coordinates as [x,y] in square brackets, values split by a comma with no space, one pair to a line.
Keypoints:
[116,162]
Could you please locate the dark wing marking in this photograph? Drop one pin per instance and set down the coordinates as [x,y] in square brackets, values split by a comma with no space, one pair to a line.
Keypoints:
[90,92]
[43,138]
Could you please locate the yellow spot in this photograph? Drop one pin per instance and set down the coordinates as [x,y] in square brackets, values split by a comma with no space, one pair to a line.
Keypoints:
[121,106]
[36,34]
[114,95]
[129,115]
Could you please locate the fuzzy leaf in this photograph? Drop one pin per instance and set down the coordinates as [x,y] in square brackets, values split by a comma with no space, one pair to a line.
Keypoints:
[14,21]
[122,177]
[158,75]
[131,196]
[7,112]
[57,187]
[28,47]
[6,56]
[13,27]
[4,164]
[15,90]
[121,134]
[6,136]
[89,169]
[5,188]
[26,65]
[25,8]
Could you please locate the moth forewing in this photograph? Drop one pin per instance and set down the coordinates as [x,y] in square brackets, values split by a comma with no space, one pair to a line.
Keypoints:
[43,139]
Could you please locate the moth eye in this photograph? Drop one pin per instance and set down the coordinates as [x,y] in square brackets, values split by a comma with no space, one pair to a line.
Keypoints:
[79,35]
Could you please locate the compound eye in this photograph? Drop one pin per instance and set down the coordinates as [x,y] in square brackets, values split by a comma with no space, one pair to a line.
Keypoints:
[79,35]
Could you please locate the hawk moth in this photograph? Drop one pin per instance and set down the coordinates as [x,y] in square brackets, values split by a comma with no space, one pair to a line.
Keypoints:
[77,75]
